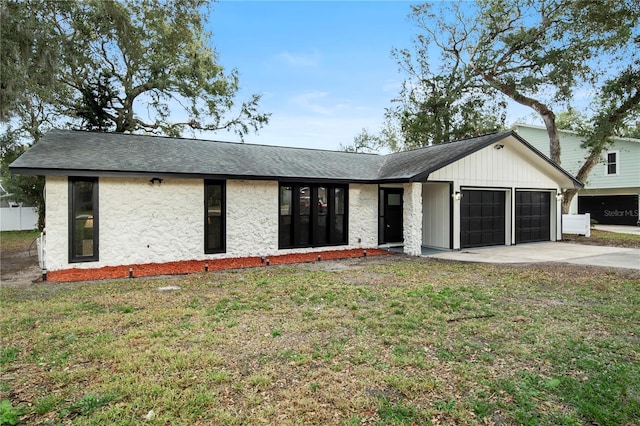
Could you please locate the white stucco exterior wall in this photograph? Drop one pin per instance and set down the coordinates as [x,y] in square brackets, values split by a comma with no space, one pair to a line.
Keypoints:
[56,222]
[143,223]
[412,218]
[252,218]
[363,215]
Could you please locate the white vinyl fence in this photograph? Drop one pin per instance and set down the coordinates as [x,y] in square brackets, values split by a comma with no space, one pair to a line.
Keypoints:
[18,218]
[579,224]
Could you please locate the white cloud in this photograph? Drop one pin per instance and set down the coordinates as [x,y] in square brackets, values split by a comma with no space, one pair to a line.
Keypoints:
[312,59]
[318,102]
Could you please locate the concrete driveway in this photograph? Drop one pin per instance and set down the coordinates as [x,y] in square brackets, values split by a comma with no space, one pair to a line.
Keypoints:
[620,229]
[580,254]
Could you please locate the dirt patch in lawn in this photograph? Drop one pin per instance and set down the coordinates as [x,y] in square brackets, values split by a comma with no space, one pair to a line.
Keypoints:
[18,261]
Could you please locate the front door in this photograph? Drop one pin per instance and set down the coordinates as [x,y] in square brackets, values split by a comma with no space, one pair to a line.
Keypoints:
[391,215]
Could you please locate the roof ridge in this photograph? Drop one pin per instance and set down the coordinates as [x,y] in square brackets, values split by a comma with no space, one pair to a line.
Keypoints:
[456,141]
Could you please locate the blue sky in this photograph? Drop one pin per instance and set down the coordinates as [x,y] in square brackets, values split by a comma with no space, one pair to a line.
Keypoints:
[324,68]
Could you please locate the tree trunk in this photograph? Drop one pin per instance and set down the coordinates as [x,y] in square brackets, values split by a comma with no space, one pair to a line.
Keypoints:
[549,119]
[567,198]
[41,216]
[548,116]
[589,163]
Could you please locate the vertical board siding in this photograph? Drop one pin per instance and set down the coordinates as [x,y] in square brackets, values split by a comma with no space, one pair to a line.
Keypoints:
[436,215]
[489,167]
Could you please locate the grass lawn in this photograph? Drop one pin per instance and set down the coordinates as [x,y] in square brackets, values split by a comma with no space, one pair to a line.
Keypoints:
[389,340]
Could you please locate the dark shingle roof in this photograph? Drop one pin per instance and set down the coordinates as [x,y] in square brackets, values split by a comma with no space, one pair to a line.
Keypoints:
[116,153]
[70,152]
[417,164]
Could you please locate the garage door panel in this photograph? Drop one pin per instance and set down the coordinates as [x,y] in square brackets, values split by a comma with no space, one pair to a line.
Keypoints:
[533,216]
[482,218]
[610,209]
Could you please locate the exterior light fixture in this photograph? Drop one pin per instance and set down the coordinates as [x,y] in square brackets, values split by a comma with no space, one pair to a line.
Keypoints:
[498,146]
[559,196]
[457,195]
[154,180]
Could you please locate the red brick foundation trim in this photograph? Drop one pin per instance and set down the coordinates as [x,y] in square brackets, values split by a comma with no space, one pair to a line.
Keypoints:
[191,266]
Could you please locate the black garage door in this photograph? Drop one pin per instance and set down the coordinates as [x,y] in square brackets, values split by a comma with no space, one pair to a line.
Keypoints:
[482,218]
[610,209]
[533,216]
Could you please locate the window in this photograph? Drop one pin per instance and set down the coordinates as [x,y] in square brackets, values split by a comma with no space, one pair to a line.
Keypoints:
[83,219]
[612,163]
[312,215]
[214,224]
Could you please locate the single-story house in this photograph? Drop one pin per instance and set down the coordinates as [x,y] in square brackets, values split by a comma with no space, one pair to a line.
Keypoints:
[114,200]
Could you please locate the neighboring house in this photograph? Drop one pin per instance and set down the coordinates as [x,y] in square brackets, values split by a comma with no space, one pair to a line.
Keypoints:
[16,216]
[612,190]
[119,199]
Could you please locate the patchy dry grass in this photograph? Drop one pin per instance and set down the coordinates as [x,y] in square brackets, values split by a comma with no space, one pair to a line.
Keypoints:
[605,238]
[392,340]
[12,241]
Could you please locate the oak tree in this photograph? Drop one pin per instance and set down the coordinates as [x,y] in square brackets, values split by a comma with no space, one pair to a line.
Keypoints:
[123,66]
[540,54]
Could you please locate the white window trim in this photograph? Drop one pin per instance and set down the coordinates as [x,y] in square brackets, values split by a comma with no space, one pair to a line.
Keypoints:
[606,163]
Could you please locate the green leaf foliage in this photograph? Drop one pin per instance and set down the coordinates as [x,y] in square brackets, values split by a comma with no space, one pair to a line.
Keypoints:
[540,54]
[123,66]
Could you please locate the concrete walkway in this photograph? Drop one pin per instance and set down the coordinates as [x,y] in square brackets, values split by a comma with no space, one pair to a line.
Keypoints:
[580,254]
